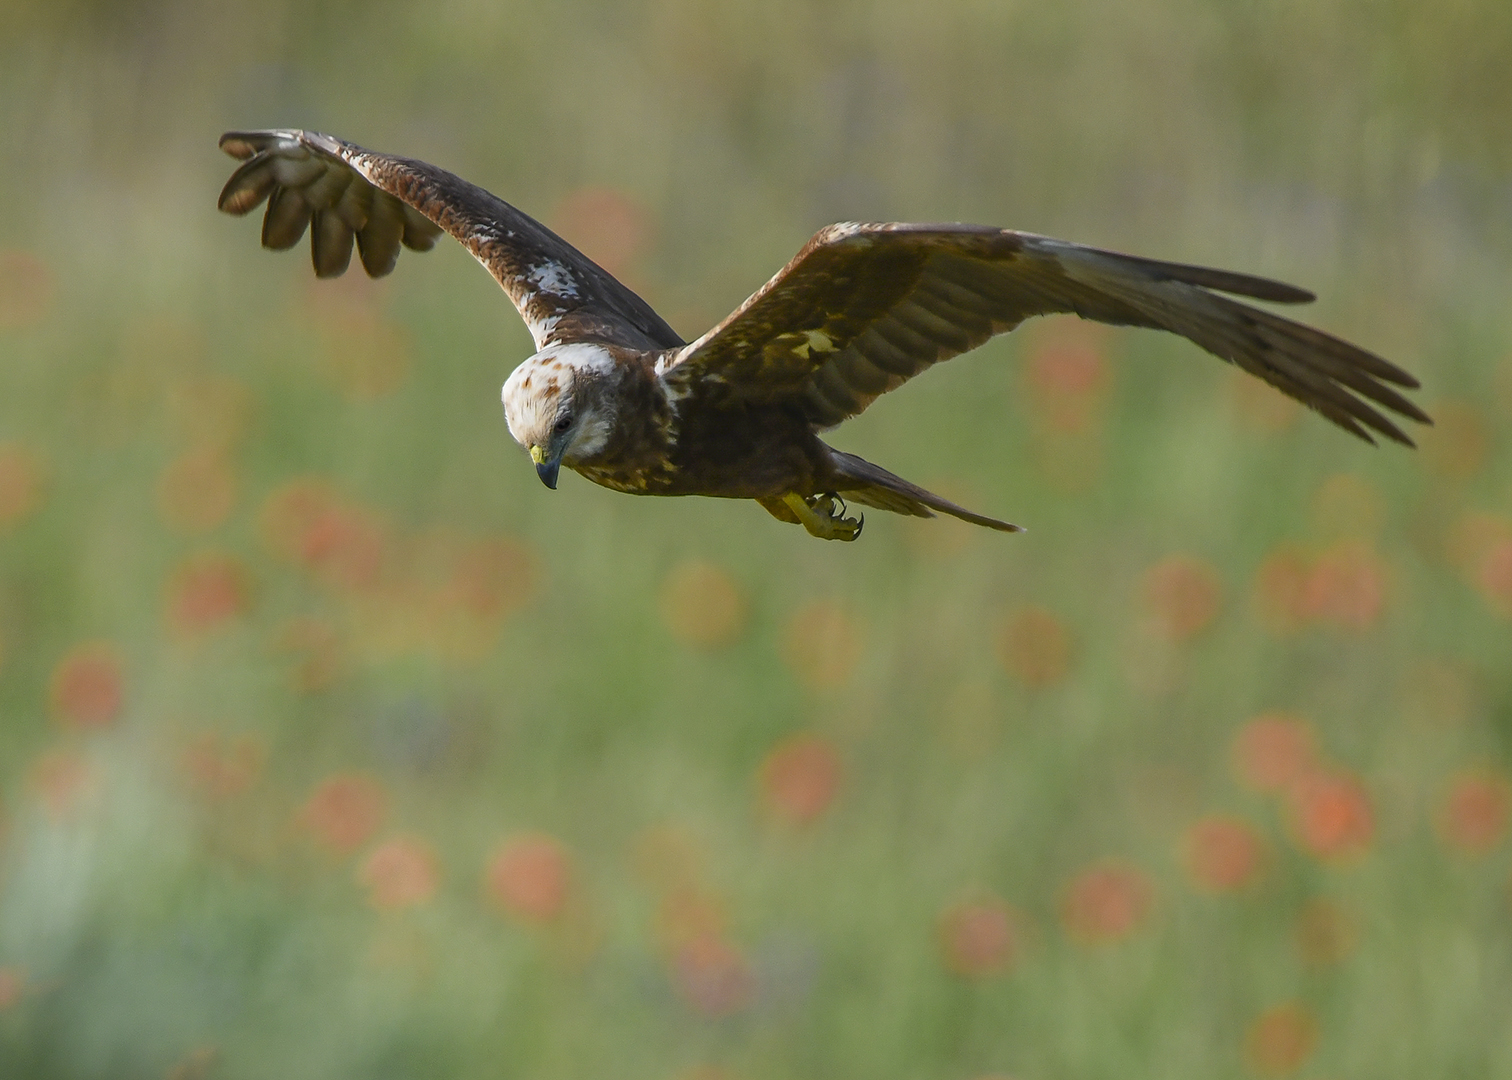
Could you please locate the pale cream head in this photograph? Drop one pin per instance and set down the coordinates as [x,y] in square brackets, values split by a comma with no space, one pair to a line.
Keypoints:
[556,408]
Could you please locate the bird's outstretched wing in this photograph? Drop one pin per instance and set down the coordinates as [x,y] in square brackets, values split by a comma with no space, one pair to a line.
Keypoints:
[864,308]
[340,192]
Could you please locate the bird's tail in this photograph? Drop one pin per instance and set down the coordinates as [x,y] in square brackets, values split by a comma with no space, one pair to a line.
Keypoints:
[871,485]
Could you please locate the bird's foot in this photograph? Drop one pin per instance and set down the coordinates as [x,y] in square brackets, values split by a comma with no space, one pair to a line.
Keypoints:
[819,516]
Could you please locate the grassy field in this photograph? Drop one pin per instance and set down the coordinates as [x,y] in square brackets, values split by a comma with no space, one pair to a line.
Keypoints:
[332,745]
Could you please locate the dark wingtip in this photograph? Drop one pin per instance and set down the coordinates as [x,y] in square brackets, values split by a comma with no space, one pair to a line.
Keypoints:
[1405,380]
[993,523]
[1257,288]
[1397,435]
[1224,281]
[1281,293]
[246,189]
[239,144]
[230,201]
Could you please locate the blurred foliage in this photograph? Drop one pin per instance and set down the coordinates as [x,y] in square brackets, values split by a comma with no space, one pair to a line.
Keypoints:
[335,746]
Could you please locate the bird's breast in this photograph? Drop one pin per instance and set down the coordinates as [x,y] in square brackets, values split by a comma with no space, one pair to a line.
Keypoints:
[637,455]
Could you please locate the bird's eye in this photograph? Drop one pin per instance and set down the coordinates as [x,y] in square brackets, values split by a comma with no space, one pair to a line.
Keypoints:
[563,424]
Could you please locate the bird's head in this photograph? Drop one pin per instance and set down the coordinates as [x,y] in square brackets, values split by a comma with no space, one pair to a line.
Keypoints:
[558,406]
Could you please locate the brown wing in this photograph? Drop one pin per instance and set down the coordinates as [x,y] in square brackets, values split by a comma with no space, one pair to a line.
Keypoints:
[864,308]
[342,192]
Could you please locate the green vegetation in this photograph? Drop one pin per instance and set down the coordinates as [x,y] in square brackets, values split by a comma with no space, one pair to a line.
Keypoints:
[333,746]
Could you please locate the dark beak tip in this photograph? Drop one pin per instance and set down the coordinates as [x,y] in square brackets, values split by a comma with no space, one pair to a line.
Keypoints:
[547,471]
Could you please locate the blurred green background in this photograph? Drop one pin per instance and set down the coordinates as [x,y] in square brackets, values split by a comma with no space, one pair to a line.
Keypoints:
[334,745]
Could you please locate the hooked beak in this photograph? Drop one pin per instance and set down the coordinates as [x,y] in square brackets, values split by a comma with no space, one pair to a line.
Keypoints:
[546,468]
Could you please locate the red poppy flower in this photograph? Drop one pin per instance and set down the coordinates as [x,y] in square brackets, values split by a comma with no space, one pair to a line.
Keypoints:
[977,938]
[1281,1040]
[1181,595]
[529,876]
[206,592]
[1473,816]
[822,645]
[799,779]
[712,976]
[400,873]
[87,688]
[1106,903]
[344,810]
[1331,816]
[1035,647]
[1273,751]
[1223,854]
[703,606]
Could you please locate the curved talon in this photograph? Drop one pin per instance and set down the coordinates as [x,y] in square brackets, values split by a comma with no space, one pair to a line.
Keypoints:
[817,514]
[847,528]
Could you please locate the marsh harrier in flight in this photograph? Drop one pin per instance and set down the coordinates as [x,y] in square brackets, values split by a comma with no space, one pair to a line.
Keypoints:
[614,394]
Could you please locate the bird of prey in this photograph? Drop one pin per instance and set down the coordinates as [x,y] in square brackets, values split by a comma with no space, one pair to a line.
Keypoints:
[615,395]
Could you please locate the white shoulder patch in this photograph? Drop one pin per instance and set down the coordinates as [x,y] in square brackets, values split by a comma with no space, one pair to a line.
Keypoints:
[554,278]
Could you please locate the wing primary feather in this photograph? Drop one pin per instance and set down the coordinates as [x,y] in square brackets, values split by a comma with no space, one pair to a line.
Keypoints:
[242,144]
[330,244]
[1318,390]
[1335,415]
[1342,369]
[285,221]
[1322,364]
[420,232]
[329,185]
[1230,340]
[1227,281]
[1284,376]
[1328,344]
[1324,387]
[378,241]
[1277,375]
[1257,341]
[1258,288]
[355,204]
[248,187]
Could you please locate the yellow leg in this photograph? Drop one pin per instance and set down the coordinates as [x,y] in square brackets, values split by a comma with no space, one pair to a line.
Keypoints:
[817,515]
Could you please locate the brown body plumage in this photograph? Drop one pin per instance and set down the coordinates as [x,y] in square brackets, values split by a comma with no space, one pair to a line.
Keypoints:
[614,394]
